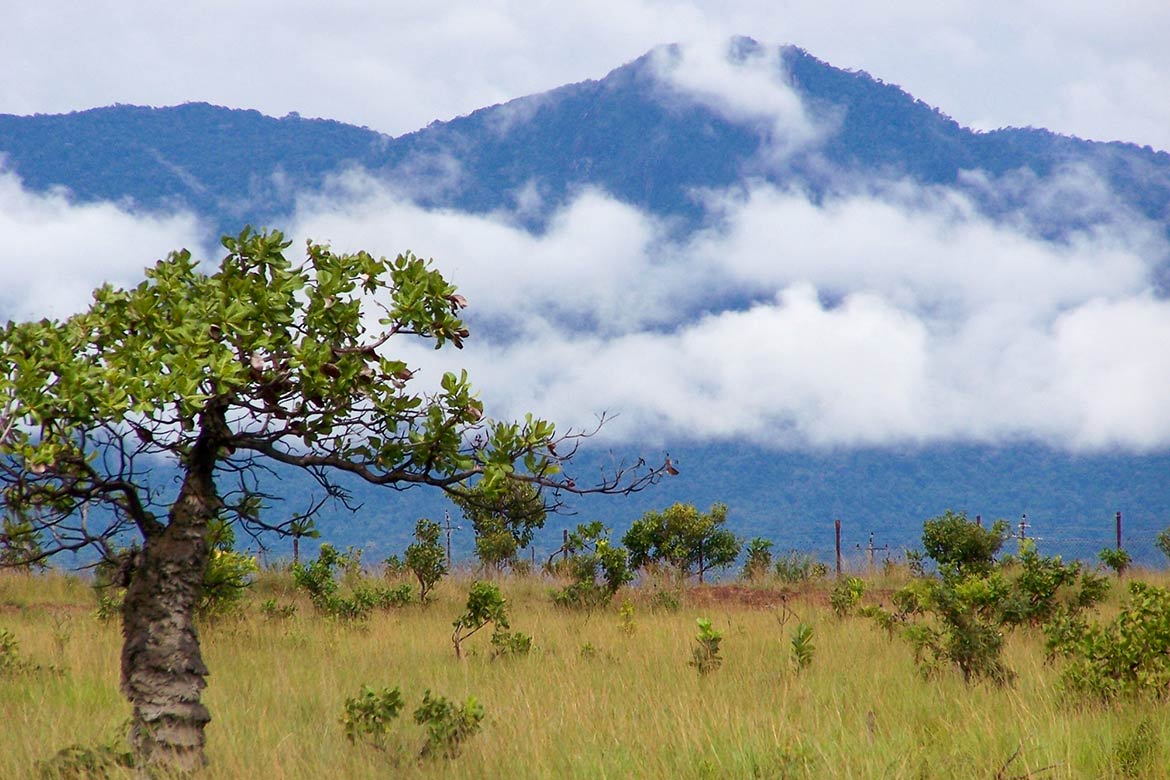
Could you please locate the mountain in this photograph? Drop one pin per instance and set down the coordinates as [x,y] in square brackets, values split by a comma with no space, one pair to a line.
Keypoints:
[627,134]
[636,136]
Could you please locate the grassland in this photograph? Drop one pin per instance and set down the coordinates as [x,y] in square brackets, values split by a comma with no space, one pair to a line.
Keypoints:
[629,706]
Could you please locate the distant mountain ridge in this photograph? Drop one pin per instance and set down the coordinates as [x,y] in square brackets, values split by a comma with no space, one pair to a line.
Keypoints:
[622,134]
[629,135]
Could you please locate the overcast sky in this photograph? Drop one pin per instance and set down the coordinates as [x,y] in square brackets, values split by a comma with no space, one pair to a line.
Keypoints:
[1097,70]
[887,314]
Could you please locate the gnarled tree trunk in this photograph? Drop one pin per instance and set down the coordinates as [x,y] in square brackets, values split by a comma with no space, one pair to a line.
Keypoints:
[163,674]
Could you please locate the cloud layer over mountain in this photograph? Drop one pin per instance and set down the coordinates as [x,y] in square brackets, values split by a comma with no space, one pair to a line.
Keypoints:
[883,312]
[891,316]
[56,252]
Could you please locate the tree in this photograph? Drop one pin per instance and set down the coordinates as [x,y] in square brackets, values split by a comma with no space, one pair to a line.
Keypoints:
[223,376]
[682,538]
[952,540]
[425,558]
[504,519]
[20,542]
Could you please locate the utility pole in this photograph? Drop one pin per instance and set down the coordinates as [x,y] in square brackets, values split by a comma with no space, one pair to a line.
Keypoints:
[447,525]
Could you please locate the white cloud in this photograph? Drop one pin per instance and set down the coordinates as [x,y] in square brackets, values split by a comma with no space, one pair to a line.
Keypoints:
[890,314]
[750,87]
[895,314]
[55,253]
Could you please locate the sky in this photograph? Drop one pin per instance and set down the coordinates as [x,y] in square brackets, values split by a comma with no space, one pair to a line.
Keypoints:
[888,314]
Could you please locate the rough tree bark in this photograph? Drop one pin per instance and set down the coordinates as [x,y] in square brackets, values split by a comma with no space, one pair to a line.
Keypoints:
[163,674]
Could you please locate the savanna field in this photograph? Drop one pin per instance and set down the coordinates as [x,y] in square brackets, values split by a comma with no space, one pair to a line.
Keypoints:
[613,692]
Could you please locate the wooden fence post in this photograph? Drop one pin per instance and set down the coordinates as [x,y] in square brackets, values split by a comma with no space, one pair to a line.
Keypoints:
[837,531]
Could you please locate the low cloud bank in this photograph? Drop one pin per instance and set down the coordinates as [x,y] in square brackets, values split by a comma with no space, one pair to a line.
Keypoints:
[889,315]
[55,252]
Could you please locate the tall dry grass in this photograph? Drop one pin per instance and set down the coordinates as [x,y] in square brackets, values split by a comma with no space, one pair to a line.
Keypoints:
[627,706]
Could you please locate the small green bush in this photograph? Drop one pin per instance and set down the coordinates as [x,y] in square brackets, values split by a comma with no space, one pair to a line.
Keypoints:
[1162,542]
[706,657]
[319,579]
[597,568]
[1115,559]
[273,611]
[802,646]
[367,716]
[510,644]
[626,615]
[448,726]
[846,595]
[796,568]
[1125,657]
[1137,753]
[485,606]
[759,559]
[665,600]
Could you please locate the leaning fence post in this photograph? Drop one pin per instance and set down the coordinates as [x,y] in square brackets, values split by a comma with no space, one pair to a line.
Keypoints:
[837,530]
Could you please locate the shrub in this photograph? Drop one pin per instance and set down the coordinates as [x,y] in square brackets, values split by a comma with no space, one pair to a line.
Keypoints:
[514,643]
[597,568]
[227,575]
[1162,542]
[846,595]
[958,619]
[706,657]
[1042,587]
[1136,753]
[759,558]
[1125,657]
[795,568]
[368,715]
[504,516]
[802,646]
[20,542]
[626,613]
[273,611]
[1115,558]
[967,632]
[485,606]
[665,600]
[319,580]
[448,726]
[10,661]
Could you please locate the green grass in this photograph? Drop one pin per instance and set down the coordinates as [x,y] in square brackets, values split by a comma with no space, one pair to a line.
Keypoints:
[634,708]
